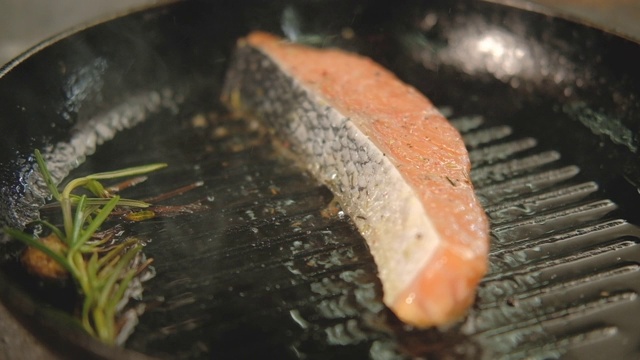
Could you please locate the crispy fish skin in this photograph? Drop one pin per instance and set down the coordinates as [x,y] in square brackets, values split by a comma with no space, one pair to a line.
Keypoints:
[395,164]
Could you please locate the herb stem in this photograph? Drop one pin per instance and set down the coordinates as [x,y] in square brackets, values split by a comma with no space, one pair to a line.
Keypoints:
[101,270]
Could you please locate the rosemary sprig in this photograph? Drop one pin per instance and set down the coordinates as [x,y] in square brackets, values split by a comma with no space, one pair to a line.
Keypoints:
[101,270]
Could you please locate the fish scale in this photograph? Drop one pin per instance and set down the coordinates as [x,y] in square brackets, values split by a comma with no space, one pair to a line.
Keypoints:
[395,190]
[553,237]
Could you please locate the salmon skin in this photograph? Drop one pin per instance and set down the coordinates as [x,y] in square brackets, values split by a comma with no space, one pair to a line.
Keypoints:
[393,162]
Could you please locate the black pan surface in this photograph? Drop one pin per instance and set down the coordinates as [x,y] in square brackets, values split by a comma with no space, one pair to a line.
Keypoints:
[549,110]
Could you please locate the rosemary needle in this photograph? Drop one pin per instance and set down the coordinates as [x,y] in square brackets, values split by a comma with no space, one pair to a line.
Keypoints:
[101,270]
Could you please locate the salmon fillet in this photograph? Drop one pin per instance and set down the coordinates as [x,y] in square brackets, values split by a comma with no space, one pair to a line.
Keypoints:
[394,163]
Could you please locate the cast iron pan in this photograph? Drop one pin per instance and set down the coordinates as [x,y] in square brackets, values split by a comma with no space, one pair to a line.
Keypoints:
[549,110]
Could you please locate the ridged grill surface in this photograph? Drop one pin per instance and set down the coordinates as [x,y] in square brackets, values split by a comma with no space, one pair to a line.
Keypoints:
[563,271]
[273,266]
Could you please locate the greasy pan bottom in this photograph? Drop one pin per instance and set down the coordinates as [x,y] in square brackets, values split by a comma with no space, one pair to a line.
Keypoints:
[268,267]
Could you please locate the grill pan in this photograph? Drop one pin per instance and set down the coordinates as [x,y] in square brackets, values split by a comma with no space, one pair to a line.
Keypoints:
[548,108]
